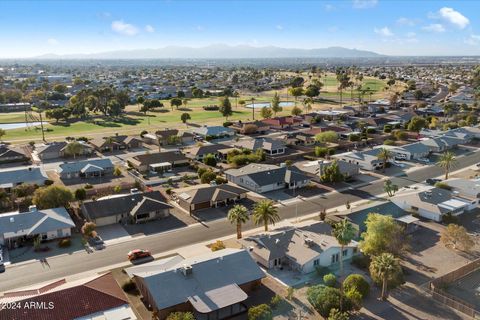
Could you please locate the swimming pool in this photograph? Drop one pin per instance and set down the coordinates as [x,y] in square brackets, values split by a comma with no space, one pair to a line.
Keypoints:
[260,105]
[17,125]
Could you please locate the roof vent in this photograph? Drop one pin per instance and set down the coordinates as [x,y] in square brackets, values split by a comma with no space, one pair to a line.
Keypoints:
[308,242]
[187,270]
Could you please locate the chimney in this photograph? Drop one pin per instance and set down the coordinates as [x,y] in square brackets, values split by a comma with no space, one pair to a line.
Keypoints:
[32,208]
[187,270]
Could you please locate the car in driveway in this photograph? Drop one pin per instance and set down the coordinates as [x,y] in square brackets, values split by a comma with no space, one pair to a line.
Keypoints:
[138,254]
[96,242]
[432,181]
[398,164]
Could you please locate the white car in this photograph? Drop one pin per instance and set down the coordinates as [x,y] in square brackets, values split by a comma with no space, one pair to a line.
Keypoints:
[398,164]
[423,160]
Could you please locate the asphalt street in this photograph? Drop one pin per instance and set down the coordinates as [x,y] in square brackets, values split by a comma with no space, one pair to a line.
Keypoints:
[63,266]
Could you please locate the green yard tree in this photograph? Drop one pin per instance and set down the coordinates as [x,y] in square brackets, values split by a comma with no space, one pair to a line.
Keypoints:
[73,148]
[52,197]
[260,312]
[210,160]
[266,113]
[2,133]
[332,173]
[276,108]
[344,232]
[238,215]
[457,237]
[416,124]
[327,136]
[385,156]
[185,117]
[175,102]
[180,316]
[296,111]
[386,267]
[264,212]
[296,92]
[390,188]
[447,161]
[225,107]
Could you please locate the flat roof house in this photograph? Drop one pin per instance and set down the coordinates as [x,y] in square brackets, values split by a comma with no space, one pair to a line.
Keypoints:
[98,298]
[266,177]
[48,224]
[127,208]
[207,196]
[302,249]
[10,178]
[86,169]
[212,286]
[160,161]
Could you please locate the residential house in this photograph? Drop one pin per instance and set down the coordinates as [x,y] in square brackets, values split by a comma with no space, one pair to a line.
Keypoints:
[15,107]
[170,137]
[47,224]
[12,154]
[302,249]
[431,203]
[54,150]
[160,161]
[282,122]
[199,152]
[467,189]
[212,286]
[10,178]
[271,146]
[316,168]
[98,297]
[214,131]
[240,127]
[126,208]
[93,168]
[366,160]
[265,177]
[116,143]
[208,196]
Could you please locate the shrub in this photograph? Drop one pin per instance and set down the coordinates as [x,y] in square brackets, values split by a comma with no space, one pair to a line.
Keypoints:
[201,171]
[330,280]
[260,312]
[443,185]
[48,182]
[361,261]
[168,191]
[64,243]
[321,271]
[387,128]
[354,137]
[321,151]
[371,130]
[217,245]
[211,108]
[227,123]
[181,316]
[117,189]
[129,286]
[401,135]
[250,128]
[276,300]
[389,142]
[356,282]
[290,292]
[88,186]
[80,194]
[208,176]
[144,132]
[220,180]
[324,299]
[449,219]
[88,228]
[210,160]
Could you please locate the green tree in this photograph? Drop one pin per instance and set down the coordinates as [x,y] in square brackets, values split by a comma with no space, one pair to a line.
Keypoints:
[447,161]
[73,148]
[324,299]
[385,156]
[52,197]
[2,133]
[327,136]
[358,283]
[336,314]
[225,107]
[260,312]
[185,117]
[276,108]
[266,113]
[296,92]
[208,176]
[385,266]
[88,229]
[175,102]
[264,212]
[80,194]
[296,111]
[331,173]
[344,232]
[117,172]
[210,160]
[416,124]
[457,237]
[238,215]
[312,91]
[390,188]
[383,234]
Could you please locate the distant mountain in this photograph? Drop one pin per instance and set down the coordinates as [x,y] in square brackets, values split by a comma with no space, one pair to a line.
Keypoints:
[221,51]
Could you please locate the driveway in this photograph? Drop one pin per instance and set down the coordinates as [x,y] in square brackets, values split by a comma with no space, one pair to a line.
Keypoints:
[113,233]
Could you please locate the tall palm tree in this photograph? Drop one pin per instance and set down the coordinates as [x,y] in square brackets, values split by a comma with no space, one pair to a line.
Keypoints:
[238,215]
[73,148]
[447,161]
[385,266]
[264,213]
[385,155]
[344,232]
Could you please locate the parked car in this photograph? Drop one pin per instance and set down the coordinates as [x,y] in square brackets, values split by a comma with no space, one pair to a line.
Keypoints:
[138,253]
[97,242]
[432,181]
[398,164]
[423,160]
[400,157]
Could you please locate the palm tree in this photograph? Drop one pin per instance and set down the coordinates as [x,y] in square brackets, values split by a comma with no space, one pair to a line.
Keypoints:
[344,232]
[73,148]
[385,266]
[265,212]
[385,155]
[447,161]
[238,215]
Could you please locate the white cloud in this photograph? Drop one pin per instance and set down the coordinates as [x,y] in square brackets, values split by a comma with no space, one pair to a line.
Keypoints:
[126,29]
[279,27]
[149,28]
[473,40]
[411,35]
[385,31]
[454,17]
[52,41]
[434,27]
[364,4]
[406,22]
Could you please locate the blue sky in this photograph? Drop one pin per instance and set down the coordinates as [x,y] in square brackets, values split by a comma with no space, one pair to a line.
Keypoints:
[385,26]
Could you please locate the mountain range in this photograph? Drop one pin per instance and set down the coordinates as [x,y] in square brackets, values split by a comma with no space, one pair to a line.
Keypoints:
[221,51]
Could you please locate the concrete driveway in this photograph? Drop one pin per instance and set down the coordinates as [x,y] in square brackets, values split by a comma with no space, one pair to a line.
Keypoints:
[113,233]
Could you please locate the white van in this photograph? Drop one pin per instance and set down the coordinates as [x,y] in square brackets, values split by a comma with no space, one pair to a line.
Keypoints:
[400,156]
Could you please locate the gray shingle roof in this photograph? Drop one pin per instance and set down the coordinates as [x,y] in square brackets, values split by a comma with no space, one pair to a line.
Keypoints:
[27,175]
[80,165]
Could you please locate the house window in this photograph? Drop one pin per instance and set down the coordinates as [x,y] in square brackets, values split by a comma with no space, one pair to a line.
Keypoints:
[142,216]
[354,250]
[335,258]
[345,253]
[316,262]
